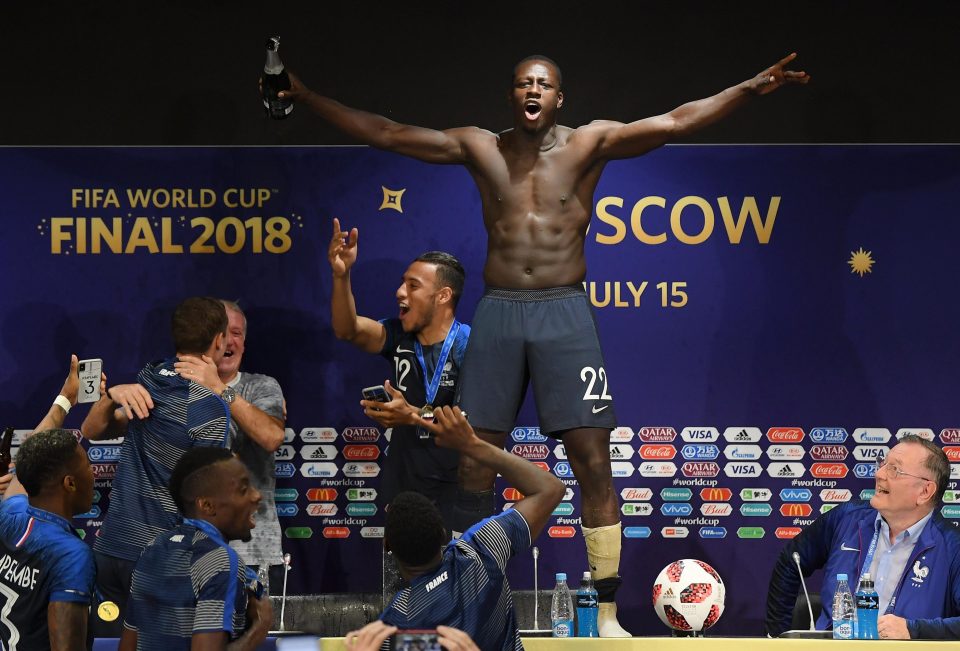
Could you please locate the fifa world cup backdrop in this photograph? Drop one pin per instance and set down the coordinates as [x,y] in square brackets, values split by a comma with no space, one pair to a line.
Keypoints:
[771,317]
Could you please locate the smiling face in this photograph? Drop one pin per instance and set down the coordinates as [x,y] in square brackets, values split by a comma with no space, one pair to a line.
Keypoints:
[903,496]
[417,296]
[229,364]
[535,96]
[235,500]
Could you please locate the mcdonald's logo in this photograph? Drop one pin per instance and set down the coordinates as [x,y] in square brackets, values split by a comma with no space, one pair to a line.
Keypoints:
[512,495]
[322,494]
[716,494]
[795,510]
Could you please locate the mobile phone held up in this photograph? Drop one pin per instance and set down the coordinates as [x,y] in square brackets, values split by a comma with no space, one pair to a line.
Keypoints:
[377,393]
[89,371]
[415,640]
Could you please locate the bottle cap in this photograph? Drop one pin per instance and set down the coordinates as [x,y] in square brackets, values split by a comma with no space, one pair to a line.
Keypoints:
[561,576]
[841,577]
[586,576]
[866,577]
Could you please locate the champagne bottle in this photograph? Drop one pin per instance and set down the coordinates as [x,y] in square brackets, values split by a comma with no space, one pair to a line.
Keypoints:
[275,79]
[5,442]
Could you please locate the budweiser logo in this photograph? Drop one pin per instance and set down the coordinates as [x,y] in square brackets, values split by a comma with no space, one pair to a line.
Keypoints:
[835,495]
[785,434]
[716,509]
[636,494]
[657,451]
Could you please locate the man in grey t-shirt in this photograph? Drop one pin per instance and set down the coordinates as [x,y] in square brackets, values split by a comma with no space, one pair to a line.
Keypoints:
[256,432]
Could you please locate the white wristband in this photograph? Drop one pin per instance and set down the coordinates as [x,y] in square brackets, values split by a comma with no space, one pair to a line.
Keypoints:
[63,403]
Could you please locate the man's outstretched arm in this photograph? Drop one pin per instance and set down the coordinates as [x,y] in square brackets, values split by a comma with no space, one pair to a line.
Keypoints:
[429,145]
[366,334]
[618,140]
[542,491]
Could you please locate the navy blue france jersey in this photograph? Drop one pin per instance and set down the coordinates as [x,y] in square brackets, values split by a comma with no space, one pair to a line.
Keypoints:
[42,560]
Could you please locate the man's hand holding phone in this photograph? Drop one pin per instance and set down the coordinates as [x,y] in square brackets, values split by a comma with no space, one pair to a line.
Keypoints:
[387,406]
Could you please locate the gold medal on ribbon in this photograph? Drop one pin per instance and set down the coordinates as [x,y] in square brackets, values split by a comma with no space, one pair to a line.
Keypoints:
[426,412]
[108,611]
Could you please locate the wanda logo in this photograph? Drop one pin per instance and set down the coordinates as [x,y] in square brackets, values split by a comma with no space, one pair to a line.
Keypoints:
[785,434]
[648,451]
[361,452]
[834,470]
[561,532]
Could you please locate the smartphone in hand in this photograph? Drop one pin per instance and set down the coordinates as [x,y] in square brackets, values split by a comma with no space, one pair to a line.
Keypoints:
[377,393]
[89,371]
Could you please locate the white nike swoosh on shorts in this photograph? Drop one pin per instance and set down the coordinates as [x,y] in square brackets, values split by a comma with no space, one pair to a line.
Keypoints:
[403,350]
[844,548]
[597,410]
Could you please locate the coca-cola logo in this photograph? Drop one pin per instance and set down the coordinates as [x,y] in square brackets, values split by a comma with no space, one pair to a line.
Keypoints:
[834,470]
[785,434]
[652,451]
[657,434]
[829,452]
[952,452]
[361,452]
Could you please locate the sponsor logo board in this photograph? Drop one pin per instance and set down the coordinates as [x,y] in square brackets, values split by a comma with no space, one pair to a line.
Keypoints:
[360,434]
[756,494]
[828,435]
[528,435]
[742,435]
[700,434]
[742,469]
[318,435]
[700,452]
[785,434]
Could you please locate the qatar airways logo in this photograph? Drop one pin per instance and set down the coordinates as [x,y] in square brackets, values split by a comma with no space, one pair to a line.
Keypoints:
[361,434]
[785,434]
[871,435]
[828,435]
[531,450]
[648,451]
[742,452]
[700,434]
[657,434]
[950,435]
[785,452]
[828,453]
[829,470]
[700,469]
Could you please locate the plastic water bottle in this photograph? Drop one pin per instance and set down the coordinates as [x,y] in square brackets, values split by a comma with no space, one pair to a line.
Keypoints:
[844,613]
[561,608]
[587,608]
[868,607]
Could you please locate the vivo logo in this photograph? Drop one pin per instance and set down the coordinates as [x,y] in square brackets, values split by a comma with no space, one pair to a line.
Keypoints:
[700,452]
[527,435]
[828,435]
[676,509]
[700,434]
[287,510]
[796,495]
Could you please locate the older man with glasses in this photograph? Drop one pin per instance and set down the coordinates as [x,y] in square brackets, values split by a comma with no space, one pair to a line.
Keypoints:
[899,537]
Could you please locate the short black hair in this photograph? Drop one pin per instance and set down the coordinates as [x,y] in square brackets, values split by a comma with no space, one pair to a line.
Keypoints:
[414,530]
[187,483]
[196,322]
[44,458]
[545,59]
[450,272]
[936,462]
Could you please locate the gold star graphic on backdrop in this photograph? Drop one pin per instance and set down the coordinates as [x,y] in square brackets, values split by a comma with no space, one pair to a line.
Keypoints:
[391,199]
[860,262]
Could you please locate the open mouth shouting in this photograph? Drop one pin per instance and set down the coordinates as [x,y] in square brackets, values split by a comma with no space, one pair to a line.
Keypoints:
[532,109]
[404,309]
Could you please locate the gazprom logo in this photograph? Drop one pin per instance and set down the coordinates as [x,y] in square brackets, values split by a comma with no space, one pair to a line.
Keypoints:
[700,452]
[871,435]
[676,509]
[285,469]
[828,435]
[796,494]
[636,532]
[562,469]
[713,532]
[527,435]
[865,470]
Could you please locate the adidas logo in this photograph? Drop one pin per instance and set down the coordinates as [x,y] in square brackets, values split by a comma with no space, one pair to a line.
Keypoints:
[785,472]
[742,435]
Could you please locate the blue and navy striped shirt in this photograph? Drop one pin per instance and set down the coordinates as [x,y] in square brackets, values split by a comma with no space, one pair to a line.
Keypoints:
[469,590]
[187,581]
[185,414]
[42,559]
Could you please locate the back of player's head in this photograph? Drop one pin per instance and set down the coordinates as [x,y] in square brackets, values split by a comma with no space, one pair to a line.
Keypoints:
[545,59]
[196,322]
[450,272]
[192,477]
[45,458]
[414,529]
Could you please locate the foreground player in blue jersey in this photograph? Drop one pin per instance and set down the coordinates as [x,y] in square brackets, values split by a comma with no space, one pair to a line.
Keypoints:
[463,584]
[46,571]
[190,588]
[161,417]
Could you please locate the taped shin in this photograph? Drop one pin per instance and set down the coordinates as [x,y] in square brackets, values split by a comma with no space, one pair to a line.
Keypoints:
[603,554]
